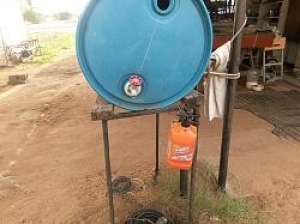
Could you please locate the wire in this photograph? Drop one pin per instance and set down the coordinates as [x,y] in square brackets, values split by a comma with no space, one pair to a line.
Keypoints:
[148,47]
[240,29]
[139,184]
[122,185]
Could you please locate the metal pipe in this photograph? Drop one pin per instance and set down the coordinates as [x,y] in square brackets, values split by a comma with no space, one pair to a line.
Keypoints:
[194,172]
[231,92]
[194,180]
[184,174]
[108,171]
[156,148]
[183,185]
[264,66]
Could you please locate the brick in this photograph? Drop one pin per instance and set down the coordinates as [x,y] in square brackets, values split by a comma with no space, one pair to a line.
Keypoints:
[17,79]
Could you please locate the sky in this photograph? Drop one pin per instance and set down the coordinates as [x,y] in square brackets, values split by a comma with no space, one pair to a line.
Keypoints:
[54,6]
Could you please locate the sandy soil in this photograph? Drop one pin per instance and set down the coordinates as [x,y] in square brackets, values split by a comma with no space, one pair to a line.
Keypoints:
[51,160]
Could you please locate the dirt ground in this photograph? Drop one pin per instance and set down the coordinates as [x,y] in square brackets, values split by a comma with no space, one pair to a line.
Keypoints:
[51,155]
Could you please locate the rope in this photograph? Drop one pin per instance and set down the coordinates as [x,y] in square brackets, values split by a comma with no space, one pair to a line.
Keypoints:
[225,75]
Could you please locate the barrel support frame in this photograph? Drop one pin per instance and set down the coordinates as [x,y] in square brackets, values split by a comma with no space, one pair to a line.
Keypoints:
[104,111]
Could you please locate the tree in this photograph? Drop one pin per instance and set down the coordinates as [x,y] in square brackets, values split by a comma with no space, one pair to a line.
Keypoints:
[32,16]
[63,15]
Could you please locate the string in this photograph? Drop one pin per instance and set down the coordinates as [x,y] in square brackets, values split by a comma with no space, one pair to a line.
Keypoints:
[240,29]
[148,48]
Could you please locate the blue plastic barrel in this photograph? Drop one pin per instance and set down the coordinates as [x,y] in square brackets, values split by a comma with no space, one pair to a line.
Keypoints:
[144,54]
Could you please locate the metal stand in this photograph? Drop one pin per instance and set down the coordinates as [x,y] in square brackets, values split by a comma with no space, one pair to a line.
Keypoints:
[230,97]
[104,111]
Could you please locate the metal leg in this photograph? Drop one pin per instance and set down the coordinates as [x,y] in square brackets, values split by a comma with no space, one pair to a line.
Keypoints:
[108,171]
[251,59]
[156,148]
[193,185]
[264,66]
[184,178]
[194,172]
[282,60]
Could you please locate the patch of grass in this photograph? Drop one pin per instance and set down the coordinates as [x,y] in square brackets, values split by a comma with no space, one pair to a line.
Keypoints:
[210,202]
[54,46]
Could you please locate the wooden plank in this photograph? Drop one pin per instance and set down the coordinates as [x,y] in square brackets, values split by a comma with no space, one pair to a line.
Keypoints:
[102,110]
[106,111]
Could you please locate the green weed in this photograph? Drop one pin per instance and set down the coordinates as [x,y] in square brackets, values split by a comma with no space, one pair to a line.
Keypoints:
[209,203]
[54,47]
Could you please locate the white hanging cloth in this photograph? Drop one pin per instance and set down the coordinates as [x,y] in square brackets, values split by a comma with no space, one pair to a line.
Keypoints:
[215,86]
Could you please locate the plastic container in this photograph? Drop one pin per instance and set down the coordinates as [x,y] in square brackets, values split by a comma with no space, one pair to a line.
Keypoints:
[181,146]
[144,54]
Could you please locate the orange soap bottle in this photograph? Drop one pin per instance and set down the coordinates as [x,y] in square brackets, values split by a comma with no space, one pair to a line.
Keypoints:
[181,146]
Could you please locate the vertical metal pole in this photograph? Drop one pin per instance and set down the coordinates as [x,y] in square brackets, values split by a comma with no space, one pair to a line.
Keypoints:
[184,178]
[184,174]
[282,62]
[108,171]
[264,66]
[194,172]
[156,148]
[231,91]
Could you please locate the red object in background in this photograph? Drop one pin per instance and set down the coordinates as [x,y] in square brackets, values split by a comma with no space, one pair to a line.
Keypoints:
[259,41]
[181,146]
